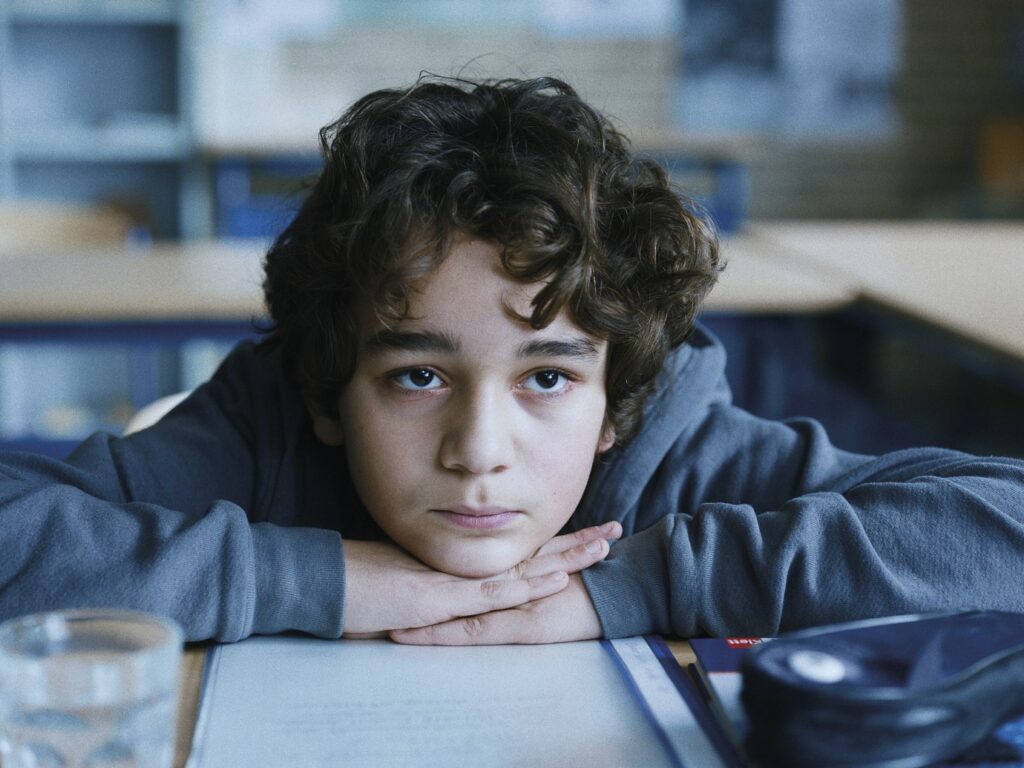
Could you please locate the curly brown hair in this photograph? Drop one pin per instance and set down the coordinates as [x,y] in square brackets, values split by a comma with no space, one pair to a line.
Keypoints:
[526,164]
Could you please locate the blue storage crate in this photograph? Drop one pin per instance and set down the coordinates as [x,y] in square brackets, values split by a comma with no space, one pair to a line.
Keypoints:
[719,185]
[258,197]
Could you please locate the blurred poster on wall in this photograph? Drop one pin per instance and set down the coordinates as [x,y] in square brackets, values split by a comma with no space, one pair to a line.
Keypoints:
[438,13]
[265,22]
[608,18]
[801,68]
[243,98]
[269,74]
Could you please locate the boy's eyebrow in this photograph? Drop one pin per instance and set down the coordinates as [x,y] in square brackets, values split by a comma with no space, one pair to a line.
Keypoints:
[575,346]
[411,341]
[579,347]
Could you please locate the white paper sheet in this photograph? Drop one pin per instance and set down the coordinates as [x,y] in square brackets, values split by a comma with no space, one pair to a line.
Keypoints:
[287,701]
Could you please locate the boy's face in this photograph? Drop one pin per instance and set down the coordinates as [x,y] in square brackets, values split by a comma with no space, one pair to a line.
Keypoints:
[469,435]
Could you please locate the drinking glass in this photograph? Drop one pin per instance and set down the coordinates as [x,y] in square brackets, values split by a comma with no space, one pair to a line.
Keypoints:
[88,689]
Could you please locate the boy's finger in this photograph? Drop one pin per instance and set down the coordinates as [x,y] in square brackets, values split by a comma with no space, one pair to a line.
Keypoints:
[498,594]
[571,560]
[611,530]
[490,629]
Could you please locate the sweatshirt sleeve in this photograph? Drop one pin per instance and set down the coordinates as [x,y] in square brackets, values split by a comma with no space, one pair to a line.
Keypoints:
[163,521]
[753,527]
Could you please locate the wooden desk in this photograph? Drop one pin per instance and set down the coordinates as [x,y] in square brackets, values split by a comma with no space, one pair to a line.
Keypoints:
[220,280]
[188,702]
[212,280]
[964,278]
[192,676]
[761,278]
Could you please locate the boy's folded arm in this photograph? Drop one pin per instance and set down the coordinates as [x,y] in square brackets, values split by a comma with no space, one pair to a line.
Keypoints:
[921,530]
[172,520]
[217,574]
[734,524]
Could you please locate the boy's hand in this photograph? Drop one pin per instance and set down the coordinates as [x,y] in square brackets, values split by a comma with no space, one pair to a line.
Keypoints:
[566,615]
[387,589]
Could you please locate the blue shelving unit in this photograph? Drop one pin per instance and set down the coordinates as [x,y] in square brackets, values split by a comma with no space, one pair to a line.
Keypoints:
[122,366]
[95,107]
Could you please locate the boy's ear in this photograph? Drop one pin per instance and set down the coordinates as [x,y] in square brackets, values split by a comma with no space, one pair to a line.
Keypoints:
[607,438]
[326,428]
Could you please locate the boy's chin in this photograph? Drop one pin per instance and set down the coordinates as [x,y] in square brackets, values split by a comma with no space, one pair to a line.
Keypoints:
[477,559]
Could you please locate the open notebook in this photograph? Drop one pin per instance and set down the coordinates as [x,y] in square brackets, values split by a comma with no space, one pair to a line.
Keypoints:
[298,701]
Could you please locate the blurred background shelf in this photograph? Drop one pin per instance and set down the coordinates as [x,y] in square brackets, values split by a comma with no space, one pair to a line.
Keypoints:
[94,11]
[96,107]
[136,140]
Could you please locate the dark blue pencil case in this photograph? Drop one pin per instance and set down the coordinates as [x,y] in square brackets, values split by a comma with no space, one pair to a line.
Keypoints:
[888,693]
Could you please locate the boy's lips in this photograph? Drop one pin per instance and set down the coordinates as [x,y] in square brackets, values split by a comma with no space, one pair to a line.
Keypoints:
[485,517]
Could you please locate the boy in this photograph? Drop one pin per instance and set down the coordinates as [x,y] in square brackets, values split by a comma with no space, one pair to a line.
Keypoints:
[483,334]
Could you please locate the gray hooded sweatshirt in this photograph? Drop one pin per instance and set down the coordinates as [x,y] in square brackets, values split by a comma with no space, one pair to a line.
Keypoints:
[228,516]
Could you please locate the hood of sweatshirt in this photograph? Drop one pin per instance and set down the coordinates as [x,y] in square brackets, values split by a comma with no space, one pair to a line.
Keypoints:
[692,381]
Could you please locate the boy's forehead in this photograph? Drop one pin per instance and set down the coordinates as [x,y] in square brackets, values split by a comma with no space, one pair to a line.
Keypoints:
[441,308]
[470,274]
[467,299]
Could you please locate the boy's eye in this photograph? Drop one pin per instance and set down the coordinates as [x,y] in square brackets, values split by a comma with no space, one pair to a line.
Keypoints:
[548,381]
[417,379]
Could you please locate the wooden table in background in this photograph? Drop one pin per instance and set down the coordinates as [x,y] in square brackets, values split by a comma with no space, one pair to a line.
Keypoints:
[215,280]
[221,280]
[966,278]
[963,278]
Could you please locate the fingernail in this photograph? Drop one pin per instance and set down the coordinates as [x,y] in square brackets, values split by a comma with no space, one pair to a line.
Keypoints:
[608,527]
[595,546]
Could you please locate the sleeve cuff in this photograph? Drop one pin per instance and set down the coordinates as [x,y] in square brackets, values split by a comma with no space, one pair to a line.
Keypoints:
[630,587]
[300,580]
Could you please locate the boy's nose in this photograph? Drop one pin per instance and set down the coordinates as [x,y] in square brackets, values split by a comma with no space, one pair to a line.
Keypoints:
[478,438]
